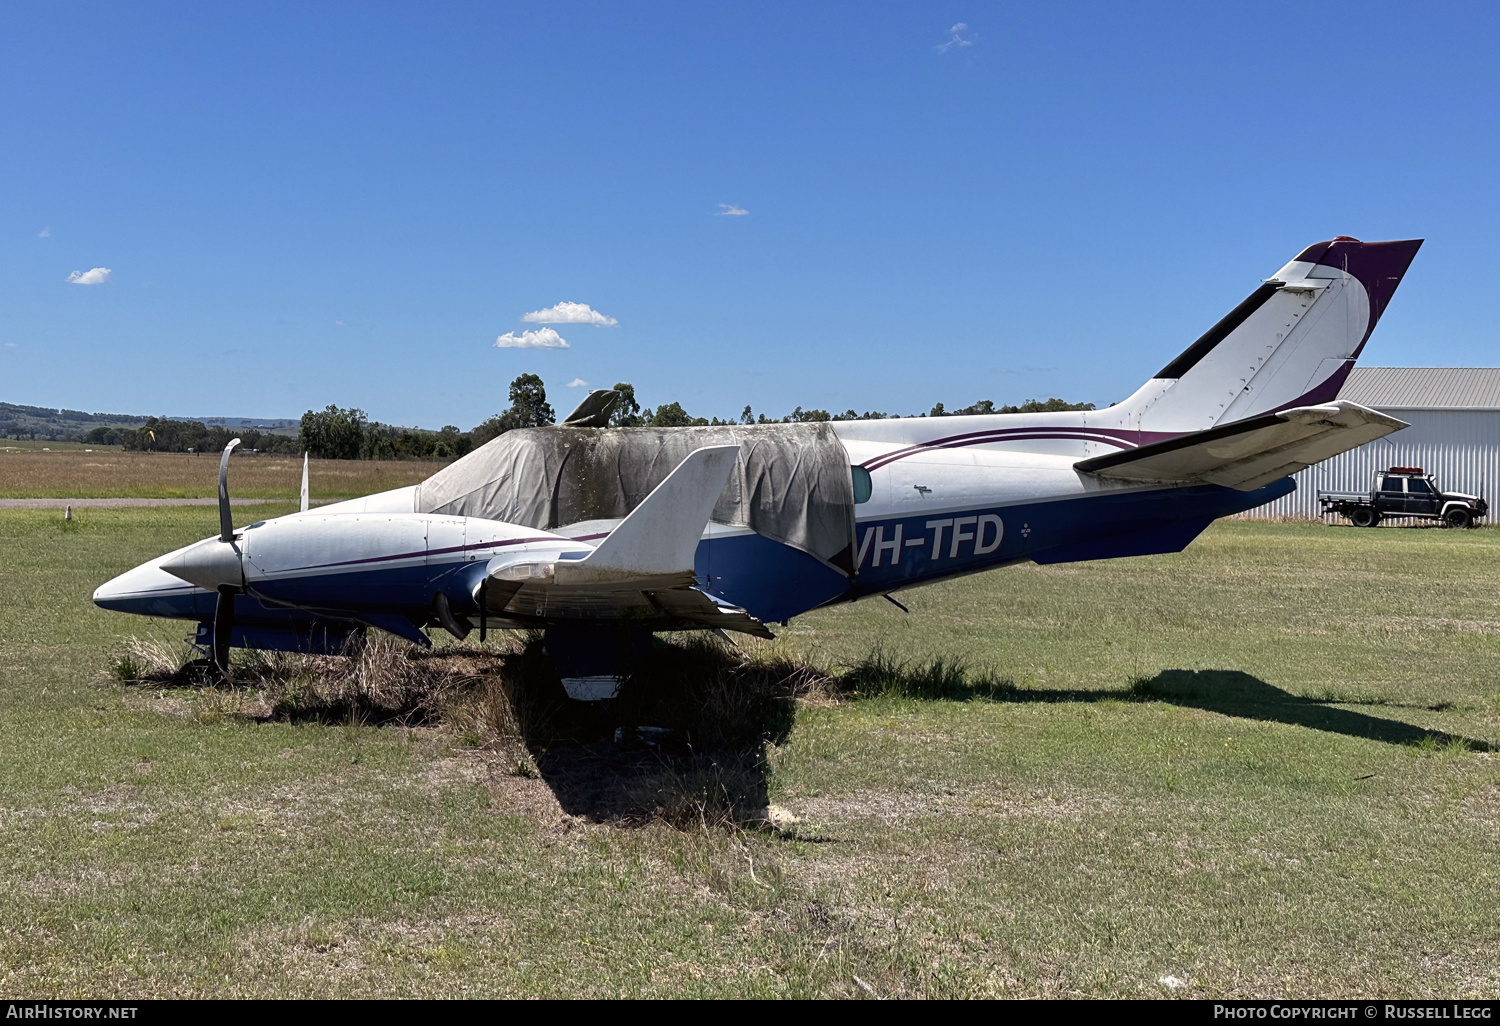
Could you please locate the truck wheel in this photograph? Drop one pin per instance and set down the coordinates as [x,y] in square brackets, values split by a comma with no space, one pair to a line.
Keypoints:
[1364,517]
[1458,518]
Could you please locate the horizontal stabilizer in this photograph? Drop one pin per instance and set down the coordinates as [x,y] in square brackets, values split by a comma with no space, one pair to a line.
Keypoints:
[1249,453]
[660,536]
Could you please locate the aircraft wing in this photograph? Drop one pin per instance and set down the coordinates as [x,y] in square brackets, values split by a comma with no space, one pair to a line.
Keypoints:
[692,604]
[655,601]
[1249,453]
[642,570]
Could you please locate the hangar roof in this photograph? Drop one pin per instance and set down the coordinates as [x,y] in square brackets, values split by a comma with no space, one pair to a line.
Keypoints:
[1424,388]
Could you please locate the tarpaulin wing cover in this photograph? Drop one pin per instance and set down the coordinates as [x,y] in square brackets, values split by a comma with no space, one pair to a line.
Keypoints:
[791,482]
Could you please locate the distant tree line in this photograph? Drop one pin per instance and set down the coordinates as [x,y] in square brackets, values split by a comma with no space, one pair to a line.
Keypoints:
[335,434]
[347,435]
[340,434]
[529,408]
[159,434]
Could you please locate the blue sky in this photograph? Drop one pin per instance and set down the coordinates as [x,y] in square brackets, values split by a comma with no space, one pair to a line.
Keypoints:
[310,204]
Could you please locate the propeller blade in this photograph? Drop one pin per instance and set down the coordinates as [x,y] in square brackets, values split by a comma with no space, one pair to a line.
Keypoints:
[223,628]
[226,522]
[304,482]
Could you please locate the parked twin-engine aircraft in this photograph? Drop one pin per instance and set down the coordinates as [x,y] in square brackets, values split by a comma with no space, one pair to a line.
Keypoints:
[602,536]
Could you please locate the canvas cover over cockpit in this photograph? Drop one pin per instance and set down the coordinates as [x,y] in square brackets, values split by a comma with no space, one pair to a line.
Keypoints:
[791,482]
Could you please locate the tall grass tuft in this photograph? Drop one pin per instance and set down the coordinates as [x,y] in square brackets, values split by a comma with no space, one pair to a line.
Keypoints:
[380,679]
[150,663]
[880,675]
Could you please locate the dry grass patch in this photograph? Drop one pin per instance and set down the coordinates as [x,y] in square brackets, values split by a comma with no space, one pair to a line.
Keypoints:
[686,743]
[689,742]
[80,475]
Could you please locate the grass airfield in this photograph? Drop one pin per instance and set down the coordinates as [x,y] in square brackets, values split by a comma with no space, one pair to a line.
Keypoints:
[1263,767]
[68,470]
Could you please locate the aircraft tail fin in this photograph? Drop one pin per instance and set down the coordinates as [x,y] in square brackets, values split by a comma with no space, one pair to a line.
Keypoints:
[660,536]
[1291,343]
[595,409]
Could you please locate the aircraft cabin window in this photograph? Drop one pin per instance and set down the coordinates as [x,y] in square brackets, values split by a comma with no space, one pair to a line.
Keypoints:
[863,486]
[1391,484]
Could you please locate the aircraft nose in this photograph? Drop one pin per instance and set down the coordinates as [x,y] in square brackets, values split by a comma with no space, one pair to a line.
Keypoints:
[210,564]
[147,591]
[126,592]
[112,593]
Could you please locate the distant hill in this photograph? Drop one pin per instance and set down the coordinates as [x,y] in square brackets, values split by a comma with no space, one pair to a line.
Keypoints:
[41,422]
[275,426]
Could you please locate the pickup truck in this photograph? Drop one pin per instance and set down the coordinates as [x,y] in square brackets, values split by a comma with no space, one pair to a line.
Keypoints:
[1405,492]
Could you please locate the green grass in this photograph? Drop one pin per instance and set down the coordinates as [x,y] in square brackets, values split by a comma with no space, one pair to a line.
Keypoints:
[1265,766]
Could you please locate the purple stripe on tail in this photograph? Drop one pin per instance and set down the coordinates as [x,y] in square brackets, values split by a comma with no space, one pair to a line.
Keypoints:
[1379,266]
[1326,392]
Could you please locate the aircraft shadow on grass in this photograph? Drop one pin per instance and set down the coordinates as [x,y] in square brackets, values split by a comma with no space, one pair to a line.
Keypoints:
[604,780]
[1231,693]
[1234,693]
[688,744]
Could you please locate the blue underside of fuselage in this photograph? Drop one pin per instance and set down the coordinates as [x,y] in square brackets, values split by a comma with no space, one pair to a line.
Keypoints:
[772,581]
[1102,526]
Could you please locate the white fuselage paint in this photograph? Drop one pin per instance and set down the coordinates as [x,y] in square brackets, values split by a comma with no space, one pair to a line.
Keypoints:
[956,473]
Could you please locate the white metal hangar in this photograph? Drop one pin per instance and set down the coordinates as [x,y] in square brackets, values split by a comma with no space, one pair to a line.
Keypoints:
[1454,413]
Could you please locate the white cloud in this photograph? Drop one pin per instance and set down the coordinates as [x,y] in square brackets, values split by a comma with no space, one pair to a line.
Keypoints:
[956,38]
[731,210]
[10,345]
[578,383]
[569,313]
[97,276]
[541,338]
[44,233]
[341,324]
